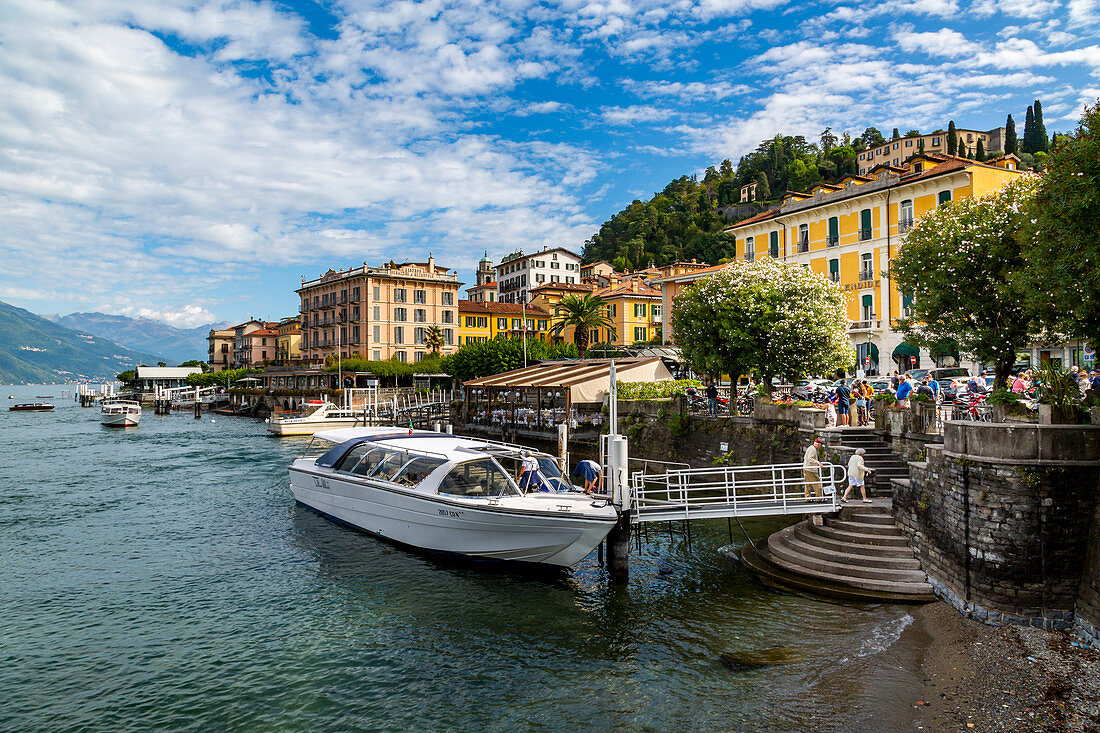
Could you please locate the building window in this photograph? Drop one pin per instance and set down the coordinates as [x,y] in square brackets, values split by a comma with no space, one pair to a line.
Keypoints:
[420,296]
[470,320]
[594,337]
[542,324]
[656,310]
[399,334]
[420,356]
[803,238]
[834,232]
[377,355]
[750,247]
[834,270]
[448,298]
[868,308]
[502,324]
[639,310]
[399,314]
[639,334]
[448,336]
[517,324]
[418,335]
[945,197]
[866,267]
[773,245]
[401,355]
[905,221]
[864,225]
[611,310]
[569,279]
[377,334]
[400,295]
[482,322]
[448,316]
[376,293]
[420,315]
[935,141]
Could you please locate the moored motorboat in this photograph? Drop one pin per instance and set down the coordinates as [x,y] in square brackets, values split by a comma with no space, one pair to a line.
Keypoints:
[120,413]
[325,416]
[31,407]
[451,494]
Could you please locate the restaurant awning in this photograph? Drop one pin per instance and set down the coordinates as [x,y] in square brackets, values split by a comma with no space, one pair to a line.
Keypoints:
[906,350]
[588,380]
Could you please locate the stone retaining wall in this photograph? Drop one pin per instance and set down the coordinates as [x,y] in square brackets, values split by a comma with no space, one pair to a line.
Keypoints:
[1003,517]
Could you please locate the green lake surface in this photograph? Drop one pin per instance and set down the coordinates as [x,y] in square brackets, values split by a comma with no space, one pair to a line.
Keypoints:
[162,577]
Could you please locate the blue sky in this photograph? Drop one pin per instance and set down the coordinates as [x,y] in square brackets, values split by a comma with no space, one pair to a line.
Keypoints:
[192,160]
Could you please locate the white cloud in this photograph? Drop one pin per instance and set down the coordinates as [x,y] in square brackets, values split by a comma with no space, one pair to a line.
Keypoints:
[634,114]
[944,42]
[1015,8]
[186,316]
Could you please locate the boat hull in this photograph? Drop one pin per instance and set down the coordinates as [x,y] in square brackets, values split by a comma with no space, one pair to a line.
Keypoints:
[305,426]
[474,529]
[120,421]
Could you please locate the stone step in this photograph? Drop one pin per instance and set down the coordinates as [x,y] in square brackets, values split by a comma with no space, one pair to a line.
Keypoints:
[870,584]
[877,530]
[847,511]
[882,518]
[859,538]
[795,543]
[795,559]
[904,482]
[774,575]
[807,534]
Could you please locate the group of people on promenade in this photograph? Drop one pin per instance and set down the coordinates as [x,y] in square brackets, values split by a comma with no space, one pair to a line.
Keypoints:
[842,399]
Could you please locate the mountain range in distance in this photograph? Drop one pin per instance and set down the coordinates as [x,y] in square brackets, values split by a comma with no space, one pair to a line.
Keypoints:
[173,345]
[36,350]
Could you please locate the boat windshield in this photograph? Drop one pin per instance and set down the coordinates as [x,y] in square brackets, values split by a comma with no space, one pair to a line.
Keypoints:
[479,478]
[387,464]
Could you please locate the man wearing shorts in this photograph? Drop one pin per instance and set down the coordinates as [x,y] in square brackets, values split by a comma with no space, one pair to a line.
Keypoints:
[843,402]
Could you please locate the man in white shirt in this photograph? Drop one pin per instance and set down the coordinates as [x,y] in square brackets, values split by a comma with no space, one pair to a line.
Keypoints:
[857,475]
[811,470]
[529,476]
[591,473]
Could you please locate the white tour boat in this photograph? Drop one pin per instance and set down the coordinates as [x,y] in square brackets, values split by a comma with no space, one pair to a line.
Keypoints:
[120,413]
[326,417]
[451,494]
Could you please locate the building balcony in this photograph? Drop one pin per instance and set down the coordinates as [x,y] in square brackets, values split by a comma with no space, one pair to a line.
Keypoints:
[864,326]
[749,256]
[803,245]
[865,275]
[834,276]
[865,234]
[905,225]
[832,240]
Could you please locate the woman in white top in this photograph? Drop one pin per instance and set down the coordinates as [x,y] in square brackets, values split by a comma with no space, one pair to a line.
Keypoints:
[857,474]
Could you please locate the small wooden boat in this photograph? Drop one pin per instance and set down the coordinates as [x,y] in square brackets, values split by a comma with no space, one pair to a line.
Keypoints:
[31,407]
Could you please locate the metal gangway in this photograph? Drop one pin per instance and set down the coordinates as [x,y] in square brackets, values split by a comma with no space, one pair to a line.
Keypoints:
[681,493]
[187,395]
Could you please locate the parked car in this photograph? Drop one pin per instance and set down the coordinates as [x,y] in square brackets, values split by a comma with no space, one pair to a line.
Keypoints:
[807,389]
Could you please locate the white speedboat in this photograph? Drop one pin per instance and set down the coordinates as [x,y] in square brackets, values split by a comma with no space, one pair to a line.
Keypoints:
[120,413]
[325,417]
[450,494]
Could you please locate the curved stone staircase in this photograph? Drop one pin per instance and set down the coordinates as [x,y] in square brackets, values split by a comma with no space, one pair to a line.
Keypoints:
[859,554]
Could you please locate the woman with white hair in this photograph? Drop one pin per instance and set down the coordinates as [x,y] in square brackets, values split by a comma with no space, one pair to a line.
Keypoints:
[857,475]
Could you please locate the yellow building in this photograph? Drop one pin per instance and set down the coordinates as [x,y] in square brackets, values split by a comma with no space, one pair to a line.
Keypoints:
[852,230]
[479,322]
[635,308]
[288,340]
[549,295]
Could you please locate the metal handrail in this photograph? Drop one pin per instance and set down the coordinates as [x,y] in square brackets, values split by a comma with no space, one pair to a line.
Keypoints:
[731,491]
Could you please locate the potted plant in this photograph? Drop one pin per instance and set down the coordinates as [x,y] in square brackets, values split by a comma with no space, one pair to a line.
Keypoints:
[1006,405]
[1058,394]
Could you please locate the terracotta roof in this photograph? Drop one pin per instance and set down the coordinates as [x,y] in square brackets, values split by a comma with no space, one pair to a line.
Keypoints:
[469,306]
[753,219]
[262,332]
[626,289]
[563,286]
[491,284]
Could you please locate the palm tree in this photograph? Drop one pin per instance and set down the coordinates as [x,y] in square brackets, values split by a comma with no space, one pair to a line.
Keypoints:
[584,313]
[433,338]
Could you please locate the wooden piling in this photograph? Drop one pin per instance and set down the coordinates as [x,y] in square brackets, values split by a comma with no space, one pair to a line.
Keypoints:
[618,550]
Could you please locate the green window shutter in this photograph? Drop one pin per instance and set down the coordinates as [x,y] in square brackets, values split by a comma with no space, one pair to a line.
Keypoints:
[945,197]
[774,245]
[834,230]
[834,265]
[865,224]
[868,300]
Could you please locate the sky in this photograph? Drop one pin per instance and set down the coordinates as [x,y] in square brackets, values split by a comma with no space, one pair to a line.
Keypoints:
[191,161]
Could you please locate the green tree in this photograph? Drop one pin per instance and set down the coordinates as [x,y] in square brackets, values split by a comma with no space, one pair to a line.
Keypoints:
[765,317]
[433,338]
[828,140]
[763,190]
[971,242]
[912,133]
[895,134]
[979,152]
[585,313]
[501,354]
[127,376]
[1011,143]
[871,137]
[1029,132]
[1061,245]
[196,363]
[961,148]
[1042,144]
[952,139]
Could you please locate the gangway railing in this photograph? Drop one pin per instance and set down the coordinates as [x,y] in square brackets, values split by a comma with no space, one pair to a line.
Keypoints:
[733,491]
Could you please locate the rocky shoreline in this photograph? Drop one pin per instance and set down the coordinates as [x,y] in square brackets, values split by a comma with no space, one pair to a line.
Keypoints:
[1006,678]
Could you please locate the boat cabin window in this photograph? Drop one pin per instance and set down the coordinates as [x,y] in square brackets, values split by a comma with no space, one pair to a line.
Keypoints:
[416,470]
[352,457]
[549,473]
[477,478]
[389,464]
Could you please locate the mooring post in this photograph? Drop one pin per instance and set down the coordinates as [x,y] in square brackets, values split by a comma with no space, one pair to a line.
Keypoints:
[618,539]
[198,410]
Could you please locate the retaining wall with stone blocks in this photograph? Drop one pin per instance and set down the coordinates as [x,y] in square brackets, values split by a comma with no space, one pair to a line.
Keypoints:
[1005,521]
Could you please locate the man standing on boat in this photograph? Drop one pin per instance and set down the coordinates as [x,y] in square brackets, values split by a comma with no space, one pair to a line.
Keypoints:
[530,478]
[591,473]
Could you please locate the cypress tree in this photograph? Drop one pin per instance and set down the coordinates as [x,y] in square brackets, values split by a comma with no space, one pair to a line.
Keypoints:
[896,134]
[952,140]
[763,190]
[1011,143]
[961,147]
[1029,131]
[1041,142]
[979,153]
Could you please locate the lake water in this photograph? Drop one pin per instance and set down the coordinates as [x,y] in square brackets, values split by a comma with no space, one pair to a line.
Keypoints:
[163,577]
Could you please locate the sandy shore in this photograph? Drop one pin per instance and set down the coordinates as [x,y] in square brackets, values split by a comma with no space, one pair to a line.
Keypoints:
[982,678]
